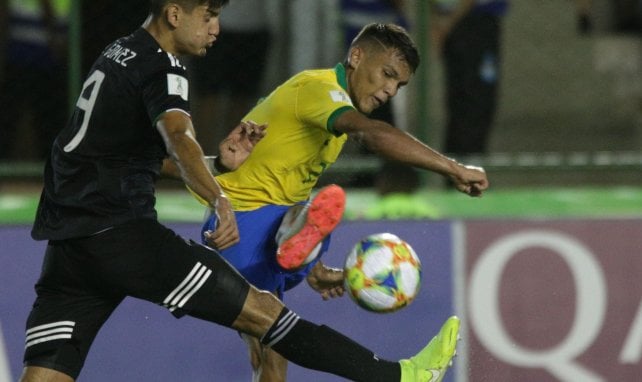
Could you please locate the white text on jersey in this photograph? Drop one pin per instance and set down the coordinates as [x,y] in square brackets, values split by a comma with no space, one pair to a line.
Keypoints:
[119,54]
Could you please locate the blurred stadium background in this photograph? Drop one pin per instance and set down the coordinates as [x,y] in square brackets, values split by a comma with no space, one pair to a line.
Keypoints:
[544,269]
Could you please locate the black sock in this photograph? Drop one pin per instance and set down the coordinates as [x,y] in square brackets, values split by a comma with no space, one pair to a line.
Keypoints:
[321,348]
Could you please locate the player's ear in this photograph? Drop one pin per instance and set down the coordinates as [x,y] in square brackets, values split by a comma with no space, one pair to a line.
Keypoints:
[172,14]
[355,56]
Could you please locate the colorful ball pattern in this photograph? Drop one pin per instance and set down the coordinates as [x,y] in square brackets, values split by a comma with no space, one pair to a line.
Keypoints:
[382,273]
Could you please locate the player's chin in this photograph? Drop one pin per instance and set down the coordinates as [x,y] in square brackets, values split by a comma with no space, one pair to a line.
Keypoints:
[366,109]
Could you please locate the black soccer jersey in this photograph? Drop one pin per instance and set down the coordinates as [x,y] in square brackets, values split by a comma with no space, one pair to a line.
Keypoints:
[104,163]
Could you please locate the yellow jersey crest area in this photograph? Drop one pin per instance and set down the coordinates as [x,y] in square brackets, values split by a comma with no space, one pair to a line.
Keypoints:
[300,142]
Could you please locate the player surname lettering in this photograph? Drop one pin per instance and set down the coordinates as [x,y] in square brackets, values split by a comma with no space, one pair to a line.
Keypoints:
[119,54]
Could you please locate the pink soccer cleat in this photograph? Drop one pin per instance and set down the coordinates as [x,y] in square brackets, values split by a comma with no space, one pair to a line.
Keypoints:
[315,222]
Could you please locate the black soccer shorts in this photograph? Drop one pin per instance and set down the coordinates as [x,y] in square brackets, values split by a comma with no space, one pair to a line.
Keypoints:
[83,280]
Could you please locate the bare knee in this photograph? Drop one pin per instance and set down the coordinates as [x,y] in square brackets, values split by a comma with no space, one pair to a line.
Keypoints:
[260,311]
[275,367]
[255,351]
[41,374]
[267,365]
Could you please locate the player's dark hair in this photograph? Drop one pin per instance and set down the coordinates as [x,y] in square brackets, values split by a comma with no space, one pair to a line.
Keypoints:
[390,36]
[156,6]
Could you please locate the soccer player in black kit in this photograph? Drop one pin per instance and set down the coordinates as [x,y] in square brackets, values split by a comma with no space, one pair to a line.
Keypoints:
[131,123]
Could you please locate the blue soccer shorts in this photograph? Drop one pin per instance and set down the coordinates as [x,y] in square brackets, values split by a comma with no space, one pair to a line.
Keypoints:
[255,255]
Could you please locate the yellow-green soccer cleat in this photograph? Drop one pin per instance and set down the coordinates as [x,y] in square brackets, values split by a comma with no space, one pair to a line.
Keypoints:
[431,363]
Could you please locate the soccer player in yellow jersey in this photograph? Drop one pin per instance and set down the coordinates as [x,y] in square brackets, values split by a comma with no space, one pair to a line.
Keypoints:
[309,119]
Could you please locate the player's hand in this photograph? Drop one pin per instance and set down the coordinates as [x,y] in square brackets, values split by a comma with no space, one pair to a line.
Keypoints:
[470,180]
[226,233]
[327,281]
[238,145]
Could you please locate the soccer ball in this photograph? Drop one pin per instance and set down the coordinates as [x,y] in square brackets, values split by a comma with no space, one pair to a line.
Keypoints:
[382,273]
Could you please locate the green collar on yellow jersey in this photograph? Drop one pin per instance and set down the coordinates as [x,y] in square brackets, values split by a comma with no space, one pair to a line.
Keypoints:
[340,70]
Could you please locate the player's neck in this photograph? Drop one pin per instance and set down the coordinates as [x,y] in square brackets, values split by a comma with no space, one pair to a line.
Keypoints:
[160,33]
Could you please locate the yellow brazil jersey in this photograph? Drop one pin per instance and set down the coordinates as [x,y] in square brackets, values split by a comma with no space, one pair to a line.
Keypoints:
[300,142]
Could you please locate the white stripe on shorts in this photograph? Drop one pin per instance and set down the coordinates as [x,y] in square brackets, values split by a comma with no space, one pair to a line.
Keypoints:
[186,289]
[49,332]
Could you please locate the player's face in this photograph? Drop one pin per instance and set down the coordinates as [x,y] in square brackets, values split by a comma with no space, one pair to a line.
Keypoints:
[198,30]
[376,76]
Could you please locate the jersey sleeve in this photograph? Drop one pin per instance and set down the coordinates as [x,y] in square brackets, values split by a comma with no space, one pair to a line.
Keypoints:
[320,103]
[165,87]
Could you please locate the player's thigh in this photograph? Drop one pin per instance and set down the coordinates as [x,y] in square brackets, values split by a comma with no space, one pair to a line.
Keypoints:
[66,316]
[146,260]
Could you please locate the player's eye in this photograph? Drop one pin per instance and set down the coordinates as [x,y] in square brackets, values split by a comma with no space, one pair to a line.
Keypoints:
[212,13]
[209,15]
[389,73]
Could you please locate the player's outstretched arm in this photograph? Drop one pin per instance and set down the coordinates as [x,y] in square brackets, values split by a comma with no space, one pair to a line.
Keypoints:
[176,129]
[395,144]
